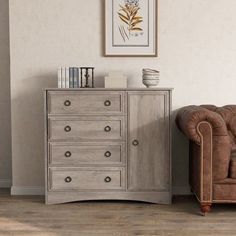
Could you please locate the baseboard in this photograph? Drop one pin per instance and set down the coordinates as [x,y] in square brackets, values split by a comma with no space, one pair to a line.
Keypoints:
[182,190]
[5,183]
[27,190]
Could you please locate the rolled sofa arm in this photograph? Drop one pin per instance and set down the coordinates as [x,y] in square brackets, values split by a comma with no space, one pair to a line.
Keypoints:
[189,117]
[215,144]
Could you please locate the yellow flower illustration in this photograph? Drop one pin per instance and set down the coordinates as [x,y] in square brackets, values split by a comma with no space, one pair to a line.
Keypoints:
[129,16]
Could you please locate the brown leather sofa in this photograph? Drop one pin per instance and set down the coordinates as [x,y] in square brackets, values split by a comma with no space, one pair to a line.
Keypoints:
[212,134]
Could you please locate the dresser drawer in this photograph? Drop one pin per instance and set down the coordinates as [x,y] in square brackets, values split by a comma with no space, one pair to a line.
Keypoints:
[89,102]
[78,154]
[87,179]
[87,128]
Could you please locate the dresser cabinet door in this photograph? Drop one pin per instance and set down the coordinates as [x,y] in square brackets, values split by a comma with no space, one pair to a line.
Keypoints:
[148,141]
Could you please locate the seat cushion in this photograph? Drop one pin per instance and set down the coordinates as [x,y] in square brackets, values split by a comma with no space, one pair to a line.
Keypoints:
[233,163]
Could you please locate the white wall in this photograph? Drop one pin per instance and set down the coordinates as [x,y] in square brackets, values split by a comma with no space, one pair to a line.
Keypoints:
[5,99]
[197,54]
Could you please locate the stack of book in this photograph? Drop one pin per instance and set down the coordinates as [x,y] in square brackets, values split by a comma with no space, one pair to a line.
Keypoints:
[68,77]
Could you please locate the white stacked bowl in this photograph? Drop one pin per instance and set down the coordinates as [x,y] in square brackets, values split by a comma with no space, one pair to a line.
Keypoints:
[150,78]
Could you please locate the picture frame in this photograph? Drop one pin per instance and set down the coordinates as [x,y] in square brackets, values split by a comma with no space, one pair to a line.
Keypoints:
[131,28]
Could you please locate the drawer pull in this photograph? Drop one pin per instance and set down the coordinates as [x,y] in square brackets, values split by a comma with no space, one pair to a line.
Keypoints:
[135,142]
[68,179]
[107,179]
[107,128]
[67,154]
[107,154]
[67,128]
[67,103]
[107,103]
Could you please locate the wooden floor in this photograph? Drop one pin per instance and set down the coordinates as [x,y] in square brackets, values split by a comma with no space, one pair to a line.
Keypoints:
[30,216]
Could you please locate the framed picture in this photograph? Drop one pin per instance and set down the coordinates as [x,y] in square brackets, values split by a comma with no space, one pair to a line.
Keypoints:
[131,28]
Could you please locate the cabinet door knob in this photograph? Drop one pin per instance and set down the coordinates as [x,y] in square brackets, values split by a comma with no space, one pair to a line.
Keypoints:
[68,154]
[107,179]
[67,128]
[67,103]
[107,128]
[107,103]
[135,142]
[68,179]
[107,154]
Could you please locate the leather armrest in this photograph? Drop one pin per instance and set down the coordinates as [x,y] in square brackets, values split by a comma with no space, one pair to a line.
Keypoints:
[207,129]
[189,117]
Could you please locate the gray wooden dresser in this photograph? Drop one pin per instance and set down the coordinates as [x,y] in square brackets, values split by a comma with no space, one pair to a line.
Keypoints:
[108,144]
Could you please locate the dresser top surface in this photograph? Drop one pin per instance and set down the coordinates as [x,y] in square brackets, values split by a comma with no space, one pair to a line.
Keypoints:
[109,89]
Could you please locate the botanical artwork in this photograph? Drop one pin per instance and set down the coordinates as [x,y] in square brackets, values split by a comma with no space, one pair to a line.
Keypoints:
[130,17]
[130,22]
[131,28]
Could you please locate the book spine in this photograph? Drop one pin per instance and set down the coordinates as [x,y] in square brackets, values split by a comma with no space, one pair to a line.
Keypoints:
[71,77]
[59,77]
[78,78]
[63,78]
[75,77]
[67,78]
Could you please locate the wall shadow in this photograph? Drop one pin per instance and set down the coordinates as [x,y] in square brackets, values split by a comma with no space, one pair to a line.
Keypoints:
[180,153]
[28,122]
[5,99]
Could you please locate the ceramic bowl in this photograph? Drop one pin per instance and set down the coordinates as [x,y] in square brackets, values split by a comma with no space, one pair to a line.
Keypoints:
[150,71]
[149,83]
[150,78]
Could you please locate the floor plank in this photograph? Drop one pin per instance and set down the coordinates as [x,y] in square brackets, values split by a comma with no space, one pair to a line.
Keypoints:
[29,216]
